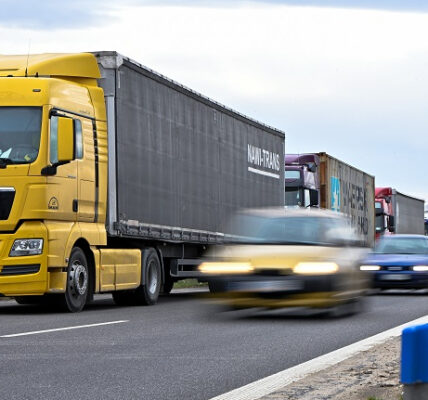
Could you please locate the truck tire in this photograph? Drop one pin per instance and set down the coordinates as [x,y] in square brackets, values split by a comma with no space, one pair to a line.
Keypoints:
[78,286]
[148,293]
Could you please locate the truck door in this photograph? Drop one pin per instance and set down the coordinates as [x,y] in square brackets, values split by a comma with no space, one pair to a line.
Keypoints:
[85,157]
[62,186]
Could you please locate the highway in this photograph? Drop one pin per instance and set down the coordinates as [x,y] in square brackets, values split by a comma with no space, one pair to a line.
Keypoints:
[182,348]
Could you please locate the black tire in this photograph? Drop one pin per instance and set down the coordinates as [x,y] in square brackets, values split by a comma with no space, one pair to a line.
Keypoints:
[148,293]
[78,288]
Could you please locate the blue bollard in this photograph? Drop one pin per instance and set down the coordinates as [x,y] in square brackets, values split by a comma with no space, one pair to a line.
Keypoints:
[414,362]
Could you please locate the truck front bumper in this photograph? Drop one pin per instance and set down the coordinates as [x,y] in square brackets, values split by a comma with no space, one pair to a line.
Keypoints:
[23,275]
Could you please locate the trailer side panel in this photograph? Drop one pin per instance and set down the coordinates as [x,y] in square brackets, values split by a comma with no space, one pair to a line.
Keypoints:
[350,191]
[184,163]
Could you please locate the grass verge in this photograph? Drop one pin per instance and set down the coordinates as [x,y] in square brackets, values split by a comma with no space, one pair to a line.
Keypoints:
[189,283]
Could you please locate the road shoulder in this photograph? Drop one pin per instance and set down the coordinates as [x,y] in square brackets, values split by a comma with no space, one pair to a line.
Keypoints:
[371,373]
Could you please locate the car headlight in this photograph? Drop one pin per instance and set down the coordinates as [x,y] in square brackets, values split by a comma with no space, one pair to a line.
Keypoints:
[369,267]
[26,247]
[316,268]
[226,268]
[420,268]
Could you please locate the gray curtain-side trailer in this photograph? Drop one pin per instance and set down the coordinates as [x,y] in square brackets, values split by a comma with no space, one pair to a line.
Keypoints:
[408,213]
[179,164]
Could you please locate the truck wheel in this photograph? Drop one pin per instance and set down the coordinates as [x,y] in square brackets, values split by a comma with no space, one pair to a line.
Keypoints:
[77,290]
[148,293]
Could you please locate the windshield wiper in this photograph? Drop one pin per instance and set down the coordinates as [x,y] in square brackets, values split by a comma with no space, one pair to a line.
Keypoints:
[4,162]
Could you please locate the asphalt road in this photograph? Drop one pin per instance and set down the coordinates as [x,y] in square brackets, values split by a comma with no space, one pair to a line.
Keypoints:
[182,348]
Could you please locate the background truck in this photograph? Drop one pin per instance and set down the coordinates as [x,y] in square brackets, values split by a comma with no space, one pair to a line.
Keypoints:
[426,219]
[320,180]
[115,178]
[398,213]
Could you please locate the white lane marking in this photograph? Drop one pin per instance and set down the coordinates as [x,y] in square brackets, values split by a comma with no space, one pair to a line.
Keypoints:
[67,328]
[277,381]
[261,172]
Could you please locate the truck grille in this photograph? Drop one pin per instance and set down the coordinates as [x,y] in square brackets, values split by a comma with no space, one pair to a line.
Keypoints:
[7,195]
[20,269]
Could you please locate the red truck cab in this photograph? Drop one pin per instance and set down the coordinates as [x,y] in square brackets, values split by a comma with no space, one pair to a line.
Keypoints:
[384,211]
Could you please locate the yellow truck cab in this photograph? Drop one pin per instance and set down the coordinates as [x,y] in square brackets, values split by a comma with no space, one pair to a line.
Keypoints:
[78,217]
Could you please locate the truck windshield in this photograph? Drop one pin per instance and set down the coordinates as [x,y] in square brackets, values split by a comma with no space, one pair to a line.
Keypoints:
[292,197]
[20,129]
[380,223]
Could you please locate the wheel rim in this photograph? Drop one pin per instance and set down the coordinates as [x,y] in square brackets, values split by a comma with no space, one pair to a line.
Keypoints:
[78,279]
[152,277]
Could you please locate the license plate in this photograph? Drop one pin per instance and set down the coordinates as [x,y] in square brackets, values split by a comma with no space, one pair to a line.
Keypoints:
[395,277]
[266,286]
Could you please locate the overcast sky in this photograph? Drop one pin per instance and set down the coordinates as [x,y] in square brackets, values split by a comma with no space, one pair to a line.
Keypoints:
[345,77]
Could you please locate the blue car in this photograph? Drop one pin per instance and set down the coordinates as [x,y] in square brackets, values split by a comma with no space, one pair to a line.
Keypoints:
[399,261]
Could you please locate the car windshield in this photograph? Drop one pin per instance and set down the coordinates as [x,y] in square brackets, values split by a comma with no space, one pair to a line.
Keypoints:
[289,230]
[20,129]
[401,245]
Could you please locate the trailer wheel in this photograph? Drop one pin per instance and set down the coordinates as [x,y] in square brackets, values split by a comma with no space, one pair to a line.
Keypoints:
[78,286]
[148,293]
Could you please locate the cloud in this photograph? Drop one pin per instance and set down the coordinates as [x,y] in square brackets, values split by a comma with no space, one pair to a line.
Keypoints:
[392,5]
[76,14]
[352,83]
[52,14]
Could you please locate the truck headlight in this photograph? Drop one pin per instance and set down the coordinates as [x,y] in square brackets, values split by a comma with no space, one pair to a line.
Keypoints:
[26,247]
[226,268]
[316,268]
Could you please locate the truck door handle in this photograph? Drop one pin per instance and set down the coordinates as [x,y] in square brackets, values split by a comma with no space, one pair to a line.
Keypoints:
[75,205]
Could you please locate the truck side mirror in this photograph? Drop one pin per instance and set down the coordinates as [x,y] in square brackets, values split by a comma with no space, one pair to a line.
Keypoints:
[65,140]
[312,167]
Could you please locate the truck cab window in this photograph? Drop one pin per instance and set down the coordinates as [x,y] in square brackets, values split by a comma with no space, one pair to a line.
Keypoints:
[20,129]
[53,153]
[78,138]
[292,197]
[54,139]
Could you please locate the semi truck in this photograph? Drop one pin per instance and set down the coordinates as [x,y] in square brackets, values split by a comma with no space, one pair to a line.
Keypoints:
[426,219]
[320,180]
[115,179]
[398,213]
